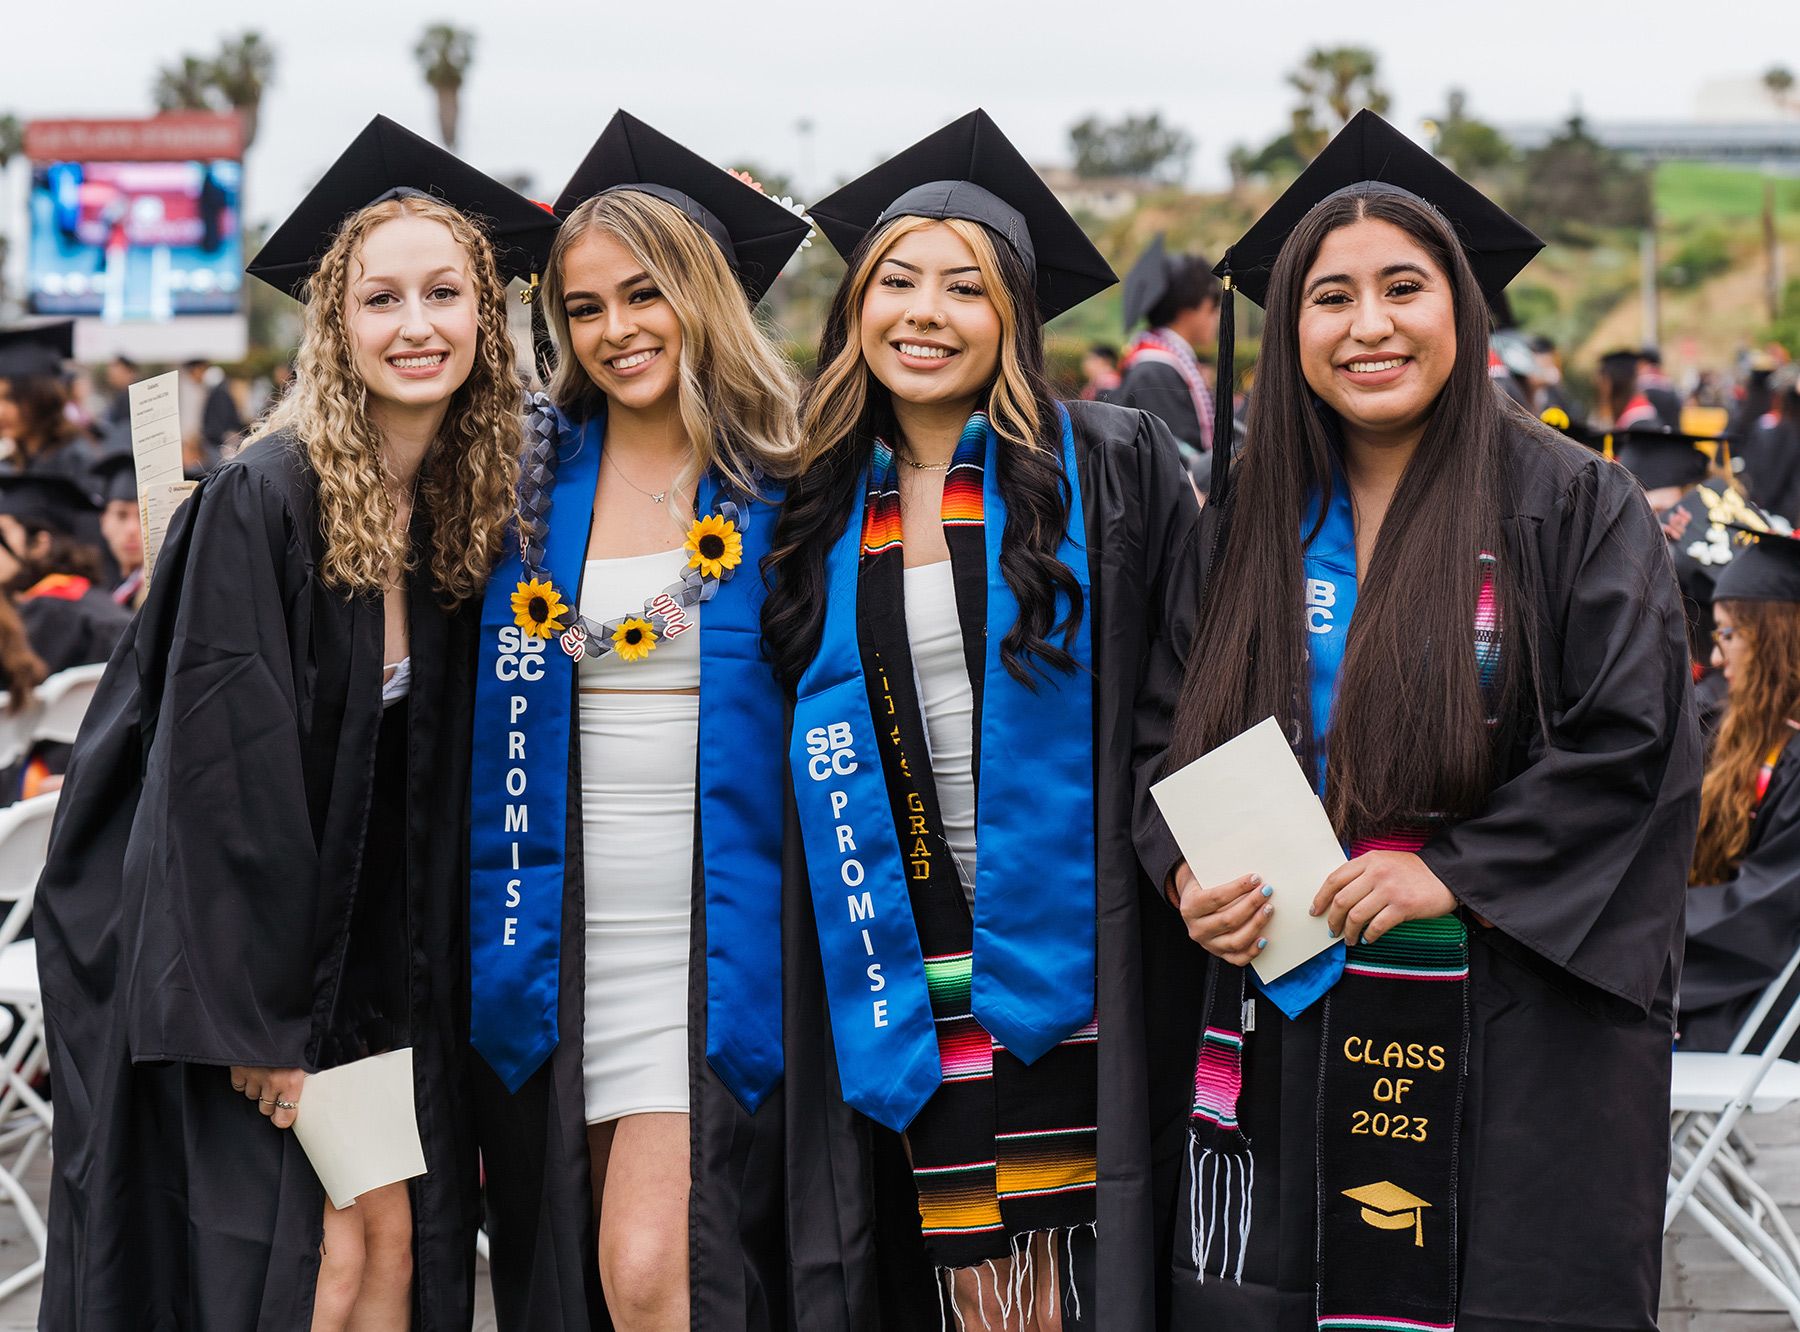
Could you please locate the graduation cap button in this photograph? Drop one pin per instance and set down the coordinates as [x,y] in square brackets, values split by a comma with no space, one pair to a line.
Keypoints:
[1387,1206]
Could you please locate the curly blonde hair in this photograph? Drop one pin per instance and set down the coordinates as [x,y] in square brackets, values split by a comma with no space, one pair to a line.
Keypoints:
[738,395]
[1764,697]
[469,477]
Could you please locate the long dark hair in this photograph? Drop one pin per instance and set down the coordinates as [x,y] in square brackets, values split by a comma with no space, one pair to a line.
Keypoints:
[1409,733]
[847,408]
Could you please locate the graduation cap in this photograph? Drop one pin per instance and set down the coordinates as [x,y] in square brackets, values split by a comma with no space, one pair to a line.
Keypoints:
[389,161]
[36,348]
[1389,1207]
[115,476]
[1659,457]
[970,170]
[47,500]
[1765,568]
[1367,156]
[756,234]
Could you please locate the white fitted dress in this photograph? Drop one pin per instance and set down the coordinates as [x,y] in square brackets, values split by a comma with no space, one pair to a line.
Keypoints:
[948,703]
[638,766]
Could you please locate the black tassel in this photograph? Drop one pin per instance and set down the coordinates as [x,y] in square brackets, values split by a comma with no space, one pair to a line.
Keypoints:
[1224,423]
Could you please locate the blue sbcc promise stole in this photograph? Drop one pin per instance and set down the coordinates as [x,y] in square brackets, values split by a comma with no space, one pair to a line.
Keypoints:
[1033,964]
[519,783]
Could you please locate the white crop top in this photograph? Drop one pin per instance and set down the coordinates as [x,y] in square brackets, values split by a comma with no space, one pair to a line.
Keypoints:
[948,702]
[616,588]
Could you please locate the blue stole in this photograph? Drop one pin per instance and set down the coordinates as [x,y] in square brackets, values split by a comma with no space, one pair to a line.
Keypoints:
[519,794]
[1330,565]
[1033,963]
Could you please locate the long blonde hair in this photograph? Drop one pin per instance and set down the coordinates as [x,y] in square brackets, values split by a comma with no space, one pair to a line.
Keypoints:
[470,473]
[737,394]
[839,397]
[1764,696]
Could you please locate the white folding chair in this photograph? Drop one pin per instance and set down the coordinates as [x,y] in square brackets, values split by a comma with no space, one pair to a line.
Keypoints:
[1710,1178]
[25,1116]
[63,700]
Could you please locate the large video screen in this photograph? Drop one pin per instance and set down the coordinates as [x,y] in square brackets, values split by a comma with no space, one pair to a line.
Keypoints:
[130,241]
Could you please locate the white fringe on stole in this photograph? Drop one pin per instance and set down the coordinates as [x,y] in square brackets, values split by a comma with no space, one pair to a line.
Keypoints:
[1018,1297]
[1220,1180]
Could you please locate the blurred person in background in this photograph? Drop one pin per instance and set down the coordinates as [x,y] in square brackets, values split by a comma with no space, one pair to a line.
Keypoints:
[1176,297]
[1552,392]
[1622,402]
[1100,373]
[1658,387]
[1772,451]
[36,432]
[121,524]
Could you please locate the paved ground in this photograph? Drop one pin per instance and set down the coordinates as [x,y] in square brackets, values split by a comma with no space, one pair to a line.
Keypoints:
[1703,1290]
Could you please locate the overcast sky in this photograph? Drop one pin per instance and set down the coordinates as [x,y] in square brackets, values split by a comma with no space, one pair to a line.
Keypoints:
[872,78]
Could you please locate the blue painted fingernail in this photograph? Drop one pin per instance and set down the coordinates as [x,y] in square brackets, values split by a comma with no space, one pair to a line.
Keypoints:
[1262,943]
[1268,890]
[1332,932]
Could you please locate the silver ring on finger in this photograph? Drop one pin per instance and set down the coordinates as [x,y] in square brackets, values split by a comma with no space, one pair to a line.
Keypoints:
[286,1105]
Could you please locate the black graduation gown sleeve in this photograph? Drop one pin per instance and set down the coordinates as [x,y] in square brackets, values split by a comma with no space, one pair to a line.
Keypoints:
[1571,855]
[855,1260]
[1741,933]
[1151,386]
[192,913]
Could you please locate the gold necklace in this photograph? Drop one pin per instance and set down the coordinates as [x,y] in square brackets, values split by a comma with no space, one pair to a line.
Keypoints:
[925,467]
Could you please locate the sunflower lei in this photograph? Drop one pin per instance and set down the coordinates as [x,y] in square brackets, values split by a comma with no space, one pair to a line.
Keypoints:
[714,546]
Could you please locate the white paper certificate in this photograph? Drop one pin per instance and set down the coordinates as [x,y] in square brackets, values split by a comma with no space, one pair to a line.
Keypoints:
[360,1127]
[156,449]
[1247,808]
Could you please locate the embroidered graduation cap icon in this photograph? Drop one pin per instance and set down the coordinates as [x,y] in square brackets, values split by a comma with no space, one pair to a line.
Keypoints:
[389,161]
[1367,156]
[970,170]
[36,348]
[1389,1207]
[756,234]
[1766,567]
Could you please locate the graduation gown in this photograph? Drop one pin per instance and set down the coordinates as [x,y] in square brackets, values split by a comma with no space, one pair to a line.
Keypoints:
[70,622]
[1741,933]
[197,911]
[539,1203]
[1156,387]
[1578,862]
[856,1258]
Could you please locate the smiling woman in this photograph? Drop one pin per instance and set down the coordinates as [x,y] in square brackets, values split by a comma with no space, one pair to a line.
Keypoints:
[266,759]
[1496,714]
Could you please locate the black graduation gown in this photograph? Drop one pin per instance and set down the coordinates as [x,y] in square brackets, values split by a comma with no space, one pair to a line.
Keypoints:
[1579,861]
[539,1203]
[195,913]
[73,631]
[1740,933]
[1772,468]
[853,1217]
[1158,388]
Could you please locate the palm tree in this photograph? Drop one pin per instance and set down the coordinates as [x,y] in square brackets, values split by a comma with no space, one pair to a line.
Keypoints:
[445,53]
[244,68]
[1340,80]
[184,87]
[1778,80]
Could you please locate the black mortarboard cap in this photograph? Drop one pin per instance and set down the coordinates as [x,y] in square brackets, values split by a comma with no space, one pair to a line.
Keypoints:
[970,170]
[756,234]
[1765,568]
[115,476]
[388,161]
[1659,457]
[36,347]
[1149,281]
[47,500]
[1367,152]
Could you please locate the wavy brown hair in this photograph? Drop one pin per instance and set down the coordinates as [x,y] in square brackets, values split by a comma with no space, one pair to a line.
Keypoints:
[738,396]
[1764,698]
[21,669]
[470,473]
[847,408]
[1409,735]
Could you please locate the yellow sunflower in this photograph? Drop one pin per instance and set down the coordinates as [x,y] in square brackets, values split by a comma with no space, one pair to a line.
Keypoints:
[537,609]
[633,639]
[714,545]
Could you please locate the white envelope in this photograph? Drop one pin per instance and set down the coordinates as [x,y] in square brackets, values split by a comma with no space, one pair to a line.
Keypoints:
[359,1125]
[1247,808]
